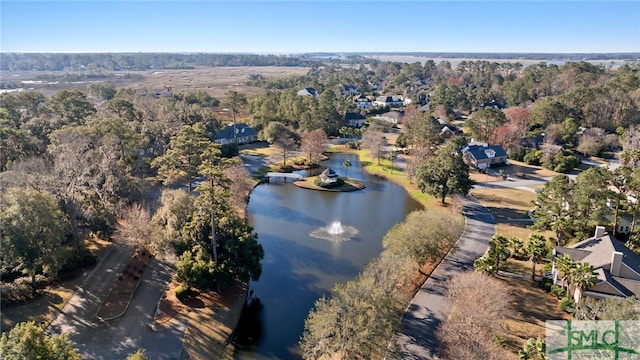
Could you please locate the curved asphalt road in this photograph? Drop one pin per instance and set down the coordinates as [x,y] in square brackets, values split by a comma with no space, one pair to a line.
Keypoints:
[115,339]
[416,339]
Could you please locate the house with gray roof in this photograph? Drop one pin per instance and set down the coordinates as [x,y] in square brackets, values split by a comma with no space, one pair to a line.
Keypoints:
[617,267]
[393,117]
[390,101]
[244,135]
[362,102]
[354,119]
[482,155]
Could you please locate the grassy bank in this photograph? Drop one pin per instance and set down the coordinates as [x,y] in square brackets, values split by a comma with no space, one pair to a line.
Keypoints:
[393,173]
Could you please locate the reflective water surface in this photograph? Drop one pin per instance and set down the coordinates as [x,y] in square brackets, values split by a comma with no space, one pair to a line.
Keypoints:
[299,268]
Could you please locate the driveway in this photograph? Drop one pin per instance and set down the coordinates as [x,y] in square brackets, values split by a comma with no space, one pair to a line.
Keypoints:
[416,339]
[115,339]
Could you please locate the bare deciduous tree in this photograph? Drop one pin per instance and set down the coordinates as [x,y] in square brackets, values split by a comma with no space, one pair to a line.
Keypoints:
[372,140]
[135,228]
[313,144]
[468,332]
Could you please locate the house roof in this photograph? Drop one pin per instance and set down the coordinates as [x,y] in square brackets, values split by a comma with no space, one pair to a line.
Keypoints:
[328,172]
[308,90]
[552,148]
[532,142]
[598,251]
[479,152]
[353,116]
[242,129]
[392,115]
[491,104]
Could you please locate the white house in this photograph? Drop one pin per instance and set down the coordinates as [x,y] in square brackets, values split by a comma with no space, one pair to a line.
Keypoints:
[354,120]
[391,101]
[362,102]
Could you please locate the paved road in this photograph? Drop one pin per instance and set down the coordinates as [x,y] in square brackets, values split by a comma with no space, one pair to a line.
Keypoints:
[115,339]
[428,309]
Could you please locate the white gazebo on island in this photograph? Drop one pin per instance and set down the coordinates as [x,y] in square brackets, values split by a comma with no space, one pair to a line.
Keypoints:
[328,176]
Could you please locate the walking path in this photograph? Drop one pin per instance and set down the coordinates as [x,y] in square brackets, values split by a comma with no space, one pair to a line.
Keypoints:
[416,339]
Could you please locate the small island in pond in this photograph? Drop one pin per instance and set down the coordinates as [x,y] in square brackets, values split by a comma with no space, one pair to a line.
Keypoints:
[328,180]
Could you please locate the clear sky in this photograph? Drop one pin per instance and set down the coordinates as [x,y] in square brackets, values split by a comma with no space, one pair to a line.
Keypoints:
[320,26]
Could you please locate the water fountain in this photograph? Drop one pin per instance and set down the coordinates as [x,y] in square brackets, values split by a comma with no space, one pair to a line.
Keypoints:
[335,232]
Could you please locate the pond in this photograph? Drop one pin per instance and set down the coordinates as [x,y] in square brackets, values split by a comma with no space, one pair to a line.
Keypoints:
[301,266]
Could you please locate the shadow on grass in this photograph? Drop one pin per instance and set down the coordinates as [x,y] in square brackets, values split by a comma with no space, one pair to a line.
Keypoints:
[41,309]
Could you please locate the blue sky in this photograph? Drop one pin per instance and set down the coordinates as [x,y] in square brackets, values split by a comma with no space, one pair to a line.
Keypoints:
[319,26]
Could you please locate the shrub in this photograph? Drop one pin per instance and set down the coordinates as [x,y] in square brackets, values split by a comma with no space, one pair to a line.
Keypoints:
[229,150]
[567,305]
[557,291]
[75,261]
[14,293]
[355,145]
[545,284]
[517,154]
[182,292]
[533,157]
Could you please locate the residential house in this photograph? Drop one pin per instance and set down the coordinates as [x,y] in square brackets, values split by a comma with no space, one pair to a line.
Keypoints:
[355,120]
[394,117]
[482,156]
[617,267]
[375,86]
[363,102]
[490,104]
[532,142]
[390,101]
[309,92]
[244,135]
[448,130]
[348,90]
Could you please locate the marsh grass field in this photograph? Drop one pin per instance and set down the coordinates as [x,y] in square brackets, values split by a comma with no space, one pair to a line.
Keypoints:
[216,81]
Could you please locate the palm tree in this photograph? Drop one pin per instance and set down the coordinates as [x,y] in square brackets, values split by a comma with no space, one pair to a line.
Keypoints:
[346,165]
[560,227]
[485,264]
[499,249]
[516,246]
[564,264]
[583,277]
[537,249]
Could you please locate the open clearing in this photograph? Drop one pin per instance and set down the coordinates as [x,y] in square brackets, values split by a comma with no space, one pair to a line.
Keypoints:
[216,81]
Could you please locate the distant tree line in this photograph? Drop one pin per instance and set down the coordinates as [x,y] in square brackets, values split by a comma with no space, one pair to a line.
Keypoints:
[140,61]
